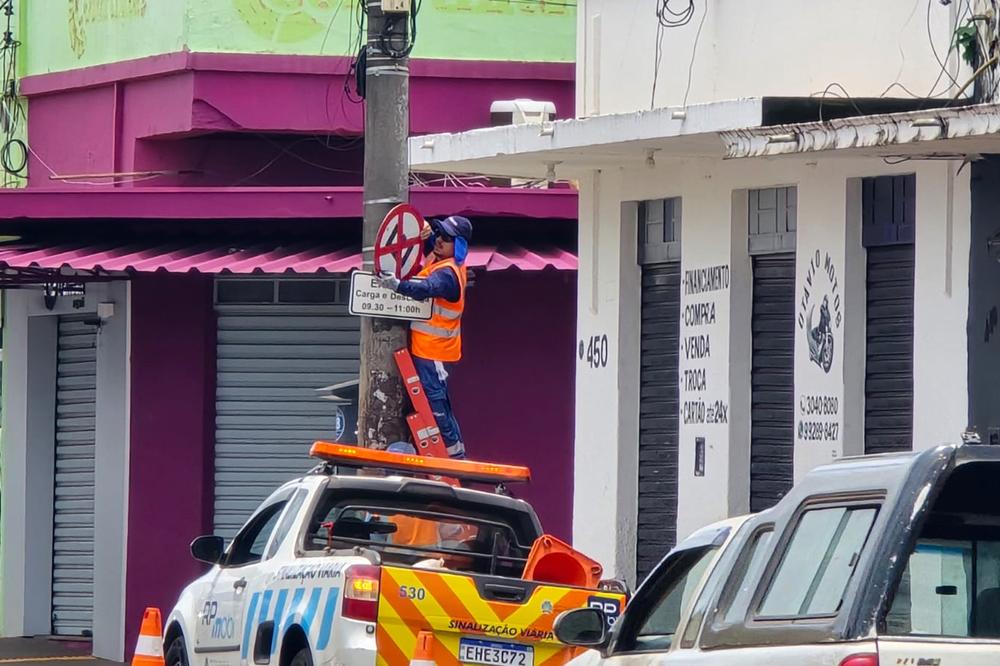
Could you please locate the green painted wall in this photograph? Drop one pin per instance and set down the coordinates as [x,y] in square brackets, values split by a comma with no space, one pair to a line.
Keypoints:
[455,29]
[67,34]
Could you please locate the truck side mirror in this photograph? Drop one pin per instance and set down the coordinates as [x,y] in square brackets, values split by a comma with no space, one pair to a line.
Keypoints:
[207,549]
[582,627]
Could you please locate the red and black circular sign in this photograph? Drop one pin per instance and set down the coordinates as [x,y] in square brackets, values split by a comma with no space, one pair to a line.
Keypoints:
[398,243]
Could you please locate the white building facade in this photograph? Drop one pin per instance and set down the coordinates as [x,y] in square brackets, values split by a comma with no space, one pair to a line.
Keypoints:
[777,239]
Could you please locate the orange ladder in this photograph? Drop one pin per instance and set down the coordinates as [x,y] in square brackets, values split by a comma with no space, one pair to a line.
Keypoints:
[423,425]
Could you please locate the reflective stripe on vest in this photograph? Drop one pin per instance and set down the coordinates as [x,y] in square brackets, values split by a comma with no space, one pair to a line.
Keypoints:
[424,327]
[440,337]
[444,312]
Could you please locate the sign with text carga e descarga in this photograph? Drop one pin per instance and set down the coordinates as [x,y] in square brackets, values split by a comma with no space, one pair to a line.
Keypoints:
[398,243]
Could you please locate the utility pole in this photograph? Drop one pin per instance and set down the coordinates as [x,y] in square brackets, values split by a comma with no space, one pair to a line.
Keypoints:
[382,397]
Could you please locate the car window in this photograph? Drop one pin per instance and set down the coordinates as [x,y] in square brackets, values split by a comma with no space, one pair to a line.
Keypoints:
[818,562]
[746,575]
[432,535]
[665,602]
[949,588]
[287,520]
[248,546]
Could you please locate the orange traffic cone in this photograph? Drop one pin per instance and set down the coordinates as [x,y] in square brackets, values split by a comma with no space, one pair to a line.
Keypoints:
[149,646]
[423,655]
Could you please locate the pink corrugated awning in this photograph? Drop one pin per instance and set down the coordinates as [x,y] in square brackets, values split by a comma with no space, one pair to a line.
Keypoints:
[300,257]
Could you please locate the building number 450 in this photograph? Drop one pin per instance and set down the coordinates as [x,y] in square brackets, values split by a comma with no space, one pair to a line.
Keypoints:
[597,351]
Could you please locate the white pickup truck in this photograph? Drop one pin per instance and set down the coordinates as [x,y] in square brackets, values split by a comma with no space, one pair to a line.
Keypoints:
[339,569]
[891,559]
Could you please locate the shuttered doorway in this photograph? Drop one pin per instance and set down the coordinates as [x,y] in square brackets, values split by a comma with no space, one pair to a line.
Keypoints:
[73,511]
[889,349]
[772,414]
[888,232]
[271,358]
[658,414]
[659,223]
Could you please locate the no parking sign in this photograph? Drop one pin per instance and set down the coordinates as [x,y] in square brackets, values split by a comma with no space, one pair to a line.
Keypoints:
[398,243]
[397,251]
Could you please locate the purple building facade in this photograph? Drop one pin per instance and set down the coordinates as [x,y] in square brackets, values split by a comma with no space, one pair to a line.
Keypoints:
[165,336]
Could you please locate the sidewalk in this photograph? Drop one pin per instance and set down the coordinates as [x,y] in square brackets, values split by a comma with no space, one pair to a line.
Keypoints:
[28,651]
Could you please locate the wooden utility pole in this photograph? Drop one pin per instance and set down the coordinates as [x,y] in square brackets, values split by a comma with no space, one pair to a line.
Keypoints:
[382,398]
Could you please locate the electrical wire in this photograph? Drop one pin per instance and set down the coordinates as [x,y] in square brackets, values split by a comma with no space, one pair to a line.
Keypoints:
[359,49]
[694,52]
[671,18]
[10,106]
[288,149]
[329,26]
[963,12]
[937,57]
[115,180]
[667,17]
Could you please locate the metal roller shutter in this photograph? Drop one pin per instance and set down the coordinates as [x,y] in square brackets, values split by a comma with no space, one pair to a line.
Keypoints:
[73,512]
[270,360]
[889,350]
[771,379]
[658,414]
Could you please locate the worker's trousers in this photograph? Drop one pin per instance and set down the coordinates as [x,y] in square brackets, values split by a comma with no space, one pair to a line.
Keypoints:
[434,377]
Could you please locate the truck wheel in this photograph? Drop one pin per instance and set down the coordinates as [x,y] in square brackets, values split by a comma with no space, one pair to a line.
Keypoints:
[302,658]
[177,653]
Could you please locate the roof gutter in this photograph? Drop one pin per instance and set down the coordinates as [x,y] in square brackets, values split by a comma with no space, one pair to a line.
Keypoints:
[875,131]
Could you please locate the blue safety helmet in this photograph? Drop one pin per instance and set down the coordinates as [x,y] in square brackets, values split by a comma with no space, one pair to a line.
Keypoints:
[457,228]
[454,226]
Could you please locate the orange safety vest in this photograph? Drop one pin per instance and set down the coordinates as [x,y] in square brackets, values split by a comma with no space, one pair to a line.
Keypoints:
[440,337]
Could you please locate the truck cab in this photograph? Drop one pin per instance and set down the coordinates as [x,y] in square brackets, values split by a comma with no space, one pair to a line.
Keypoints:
[891,559]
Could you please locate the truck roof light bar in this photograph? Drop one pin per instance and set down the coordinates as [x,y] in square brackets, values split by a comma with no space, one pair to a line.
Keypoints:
[466,470]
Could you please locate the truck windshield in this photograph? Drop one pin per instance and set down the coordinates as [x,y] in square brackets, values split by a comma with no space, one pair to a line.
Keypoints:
[429,537]
[664,601]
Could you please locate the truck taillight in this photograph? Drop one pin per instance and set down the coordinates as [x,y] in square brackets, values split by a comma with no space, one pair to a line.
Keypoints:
[860,660]
[361,592]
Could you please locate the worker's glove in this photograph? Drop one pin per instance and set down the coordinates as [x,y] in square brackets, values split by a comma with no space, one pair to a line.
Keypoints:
[388,281]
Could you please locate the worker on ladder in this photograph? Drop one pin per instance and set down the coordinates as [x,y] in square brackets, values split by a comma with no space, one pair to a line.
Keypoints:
[436,344]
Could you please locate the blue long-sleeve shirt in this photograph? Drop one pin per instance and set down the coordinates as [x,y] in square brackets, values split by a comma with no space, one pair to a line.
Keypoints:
[442,283]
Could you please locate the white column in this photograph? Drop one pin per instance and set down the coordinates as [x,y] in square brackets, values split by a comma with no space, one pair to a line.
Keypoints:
[27,465]
[829,320]
[941,304]
[714,446]
[607,386]
[111,474]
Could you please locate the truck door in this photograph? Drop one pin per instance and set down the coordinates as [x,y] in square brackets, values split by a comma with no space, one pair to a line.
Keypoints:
[945,608]
[221,616]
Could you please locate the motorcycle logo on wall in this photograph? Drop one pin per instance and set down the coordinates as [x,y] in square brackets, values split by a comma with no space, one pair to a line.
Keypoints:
[820,312]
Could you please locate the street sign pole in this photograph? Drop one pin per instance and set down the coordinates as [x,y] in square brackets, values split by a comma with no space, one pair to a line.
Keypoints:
[382,397]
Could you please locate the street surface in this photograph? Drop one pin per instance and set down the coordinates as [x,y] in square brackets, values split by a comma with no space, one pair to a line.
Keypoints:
[29,651]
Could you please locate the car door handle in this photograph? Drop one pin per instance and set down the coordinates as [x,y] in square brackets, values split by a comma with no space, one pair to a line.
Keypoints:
[240,584]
